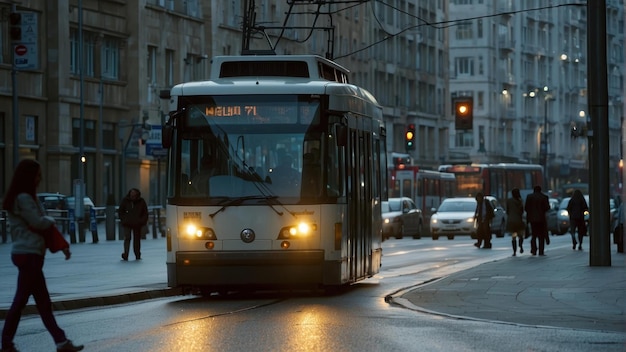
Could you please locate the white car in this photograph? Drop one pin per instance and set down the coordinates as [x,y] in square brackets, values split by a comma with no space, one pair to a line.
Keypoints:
[455,216]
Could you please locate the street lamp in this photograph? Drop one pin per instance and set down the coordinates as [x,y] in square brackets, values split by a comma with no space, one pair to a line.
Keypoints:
[544,139]
[543,142]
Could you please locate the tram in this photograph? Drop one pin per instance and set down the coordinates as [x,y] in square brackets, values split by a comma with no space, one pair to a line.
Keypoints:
[427,188]
[495,179]
[276,173]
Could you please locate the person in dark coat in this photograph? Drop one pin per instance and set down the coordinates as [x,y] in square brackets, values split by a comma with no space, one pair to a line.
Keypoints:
[537,204]
[515,220]
[576,208]
[133,214]
[482,216]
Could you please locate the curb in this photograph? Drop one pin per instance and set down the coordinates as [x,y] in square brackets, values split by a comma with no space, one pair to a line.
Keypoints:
[31,309]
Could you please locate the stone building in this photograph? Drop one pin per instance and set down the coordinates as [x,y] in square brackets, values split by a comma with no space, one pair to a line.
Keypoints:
[525,65]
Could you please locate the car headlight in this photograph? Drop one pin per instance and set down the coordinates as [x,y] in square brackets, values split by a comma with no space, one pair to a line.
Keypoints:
[470,220]
[564,214]
[434,221]
[386,221]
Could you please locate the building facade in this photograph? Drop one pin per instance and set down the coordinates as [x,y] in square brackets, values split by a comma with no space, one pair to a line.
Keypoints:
[525,65]
[87,97]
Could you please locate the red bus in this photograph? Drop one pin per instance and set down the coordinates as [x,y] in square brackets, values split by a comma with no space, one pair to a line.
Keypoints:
[427,188]
[495,179]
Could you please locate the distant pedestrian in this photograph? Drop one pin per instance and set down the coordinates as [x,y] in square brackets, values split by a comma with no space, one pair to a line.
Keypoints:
[576,208]
[618,231]
[133,213]
[26,220]
[515,220]
[482,216]
[536,206]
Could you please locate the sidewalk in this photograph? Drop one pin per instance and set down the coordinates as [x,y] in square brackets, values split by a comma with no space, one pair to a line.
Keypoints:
[559,290]
[95,275]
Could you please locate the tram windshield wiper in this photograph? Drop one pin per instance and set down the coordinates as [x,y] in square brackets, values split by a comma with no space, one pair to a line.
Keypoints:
[237,201]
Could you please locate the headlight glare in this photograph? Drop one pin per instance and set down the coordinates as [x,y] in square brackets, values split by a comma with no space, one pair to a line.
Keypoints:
[295,231]
[199,233]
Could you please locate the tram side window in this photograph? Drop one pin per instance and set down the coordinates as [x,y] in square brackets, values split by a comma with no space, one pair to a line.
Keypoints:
[335,171]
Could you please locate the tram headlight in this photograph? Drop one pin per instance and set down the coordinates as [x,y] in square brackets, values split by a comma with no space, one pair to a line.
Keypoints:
[200,233]
[300,230]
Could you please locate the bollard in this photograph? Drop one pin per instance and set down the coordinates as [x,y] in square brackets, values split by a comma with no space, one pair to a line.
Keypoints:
[72,225]
[4,226]
[154,222]
[110,222]
[93,225]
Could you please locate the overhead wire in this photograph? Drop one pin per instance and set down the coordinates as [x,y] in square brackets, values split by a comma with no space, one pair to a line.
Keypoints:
[445,24]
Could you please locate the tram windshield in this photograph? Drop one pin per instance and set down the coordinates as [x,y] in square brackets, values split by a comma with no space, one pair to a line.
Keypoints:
[254,149]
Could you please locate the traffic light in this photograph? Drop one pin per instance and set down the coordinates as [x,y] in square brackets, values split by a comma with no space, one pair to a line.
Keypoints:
[409,137]
[15,18]
[463,113]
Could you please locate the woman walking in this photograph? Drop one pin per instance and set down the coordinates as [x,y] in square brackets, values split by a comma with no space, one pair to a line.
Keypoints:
[26,219]
[515,221]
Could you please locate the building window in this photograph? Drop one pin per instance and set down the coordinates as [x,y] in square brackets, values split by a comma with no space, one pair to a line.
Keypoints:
[169,68]
[480,104]
[464,139]
[89,137]
[108,136]
[110,58]
[151,64]
[29,126]
[464,30]
[464,66]
[89,48]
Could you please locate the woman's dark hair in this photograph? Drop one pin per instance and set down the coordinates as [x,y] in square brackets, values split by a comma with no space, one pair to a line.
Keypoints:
[23,181]
[515,193]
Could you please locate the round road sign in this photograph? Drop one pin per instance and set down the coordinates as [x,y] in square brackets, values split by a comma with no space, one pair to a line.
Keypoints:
[20,50]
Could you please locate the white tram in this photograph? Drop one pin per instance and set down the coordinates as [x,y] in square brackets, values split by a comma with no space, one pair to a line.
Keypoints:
[276,172]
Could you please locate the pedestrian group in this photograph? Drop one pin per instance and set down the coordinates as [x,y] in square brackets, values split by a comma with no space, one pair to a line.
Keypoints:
[536,206]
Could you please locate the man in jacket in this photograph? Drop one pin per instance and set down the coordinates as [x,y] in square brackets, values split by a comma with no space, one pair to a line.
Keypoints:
[482,216]
[536,206]
[133,214]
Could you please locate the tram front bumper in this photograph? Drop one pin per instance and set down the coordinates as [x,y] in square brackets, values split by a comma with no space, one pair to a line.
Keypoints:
[241,268]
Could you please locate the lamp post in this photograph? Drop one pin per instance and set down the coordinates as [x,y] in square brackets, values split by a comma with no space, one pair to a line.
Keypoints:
[543,142]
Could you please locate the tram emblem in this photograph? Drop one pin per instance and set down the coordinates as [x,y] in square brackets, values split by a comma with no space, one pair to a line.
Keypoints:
[247,235]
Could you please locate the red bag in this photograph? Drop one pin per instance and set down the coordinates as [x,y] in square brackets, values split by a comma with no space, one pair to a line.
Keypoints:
[55,240]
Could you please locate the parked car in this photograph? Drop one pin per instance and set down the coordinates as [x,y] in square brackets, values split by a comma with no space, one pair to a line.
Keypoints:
[401,217]
[52,200]
[552,217]
[455,216]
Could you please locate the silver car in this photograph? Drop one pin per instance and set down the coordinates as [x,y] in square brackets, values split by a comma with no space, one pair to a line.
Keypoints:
[455,216]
